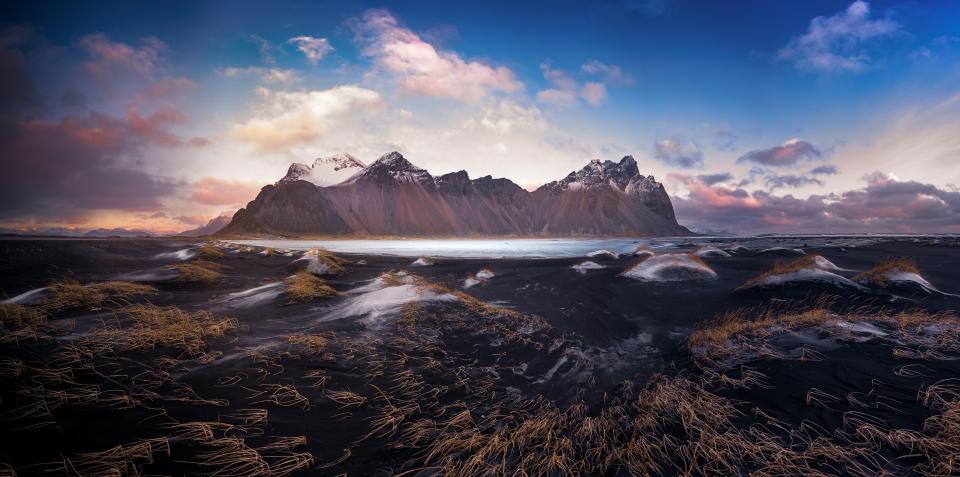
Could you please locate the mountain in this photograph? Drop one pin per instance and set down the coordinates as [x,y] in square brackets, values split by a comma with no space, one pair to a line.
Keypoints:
[213,226]
[118,232]
[392,196]
[325,171]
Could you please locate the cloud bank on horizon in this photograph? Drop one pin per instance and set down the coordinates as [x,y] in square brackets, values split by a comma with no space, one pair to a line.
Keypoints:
[825,116]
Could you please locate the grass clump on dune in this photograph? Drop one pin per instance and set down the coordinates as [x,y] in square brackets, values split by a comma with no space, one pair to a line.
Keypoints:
[198,271]
[209,251]
[171,327]
[744,331]
[806,262]
[322,262]
[879,275]
[71,295]
[16,316]
[305,287]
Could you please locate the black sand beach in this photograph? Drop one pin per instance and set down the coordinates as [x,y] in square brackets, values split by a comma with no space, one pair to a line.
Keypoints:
[537,370]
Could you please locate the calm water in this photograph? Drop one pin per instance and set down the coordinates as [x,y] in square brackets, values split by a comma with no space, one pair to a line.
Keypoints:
[556,248]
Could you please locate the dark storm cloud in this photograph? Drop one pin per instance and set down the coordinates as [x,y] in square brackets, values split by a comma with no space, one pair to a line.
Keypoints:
[787,154]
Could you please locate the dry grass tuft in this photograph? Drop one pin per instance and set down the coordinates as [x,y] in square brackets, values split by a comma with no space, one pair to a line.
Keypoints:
[327,261]
[805,262]
[745,331]
[170,327]
[877,276]
[209,251]
[71,295]
[304,287]
[198,271]
[18,316]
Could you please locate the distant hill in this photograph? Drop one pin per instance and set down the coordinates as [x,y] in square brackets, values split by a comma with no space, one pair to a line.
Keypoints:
[213,226]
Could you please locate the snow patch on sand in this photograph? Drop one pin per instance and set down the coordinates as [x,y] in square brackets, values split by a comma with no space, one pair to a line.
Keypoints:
[182,255]
[27,298]
[154,275]
[254,296]
[483,275]
[583,267]
[781,251]
[710,252]
[603,254]
[423,262]
[808,275]
[670,267]
[385,296]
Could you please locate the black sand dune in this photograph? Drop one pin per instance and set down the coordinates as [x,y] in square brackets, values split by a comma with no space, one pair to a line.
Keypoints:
[539,369]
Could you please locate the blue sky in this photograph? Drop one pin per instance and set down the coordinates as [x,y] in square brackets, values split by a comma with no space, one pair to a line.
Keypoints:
[205,102]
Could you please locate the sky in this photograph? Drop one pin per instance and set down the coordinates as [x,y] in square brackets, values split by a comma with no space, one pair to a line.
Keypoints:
[758,117]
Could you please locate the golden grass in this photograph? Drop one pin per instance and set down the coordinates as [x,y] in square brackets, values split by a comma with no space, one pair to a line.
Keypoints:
[744,330]
[198,271]
[335,264]
[168,327]
[805,262]
[877,276]
[71,295]
[17,316]
[209,251]
[305,287]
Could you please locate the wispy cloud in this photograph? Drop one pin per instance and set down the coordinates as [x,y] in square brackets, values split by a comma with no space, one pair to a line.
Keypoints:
[790,153]
[315,49]
[678,152]
[839,42]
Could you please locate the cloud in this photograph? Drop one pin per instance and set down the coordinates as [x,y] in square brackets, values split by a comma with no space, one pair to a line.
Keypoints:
[285,119]
[790,180]
[678,152]
[107,56]
[838,42]
[725,139]
[420,68]
[63,168]
[789,153]
[566,91]
[266,48]
[267,75]
[824,170]
[711,179]
[884,204]
[612,74]
[315,49]
[594,93]
[560,98]
[214,191]
[166,87]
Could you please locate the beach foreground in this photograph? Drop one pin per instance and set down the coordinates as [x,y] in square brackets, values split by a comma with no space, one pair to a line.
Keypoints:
[829,355]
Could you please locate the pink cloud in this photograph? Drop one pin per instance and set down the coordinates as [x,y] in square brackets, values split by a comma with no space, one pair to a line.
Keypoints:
[420,68]
[106,55]
[213,191]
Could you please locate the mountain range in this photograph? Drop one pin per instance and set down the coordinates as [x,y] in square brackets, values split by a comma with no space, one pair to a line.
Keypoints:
[339,195]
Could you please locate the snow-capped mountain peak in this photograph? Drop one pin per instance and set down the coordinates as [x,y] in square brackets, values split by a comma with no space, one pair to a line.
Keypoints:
[396,166]
[325,171]
[617,175]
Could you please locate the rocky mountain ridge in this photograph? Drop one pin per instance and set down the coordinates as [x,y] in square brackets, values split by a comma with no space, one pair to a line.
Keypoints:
[392,196]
